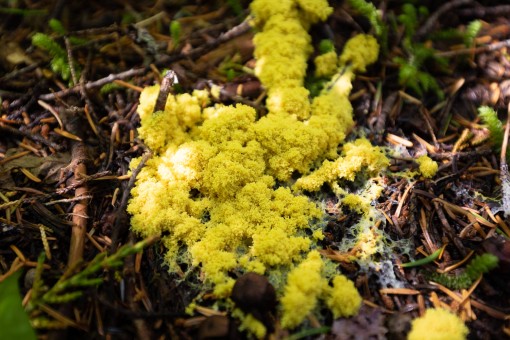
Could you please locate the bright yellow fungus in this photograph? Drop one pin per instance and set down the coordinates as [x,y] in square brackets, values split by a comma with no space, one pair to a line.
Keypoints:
[250,323]
[355,157]
[360,51]
[438,324]
[305,284]
[343,300]
[428,168]
[326,64]
[218,185]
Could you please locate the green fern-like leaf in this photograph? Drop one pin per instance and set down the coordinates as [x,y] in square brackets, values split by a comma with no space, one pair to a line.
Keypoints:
[59,62]
[479,265]
[57,27]
[60,66]
[62,298]
[410,73]
[409,18]
[429,83]
[490,118]
[175,32]
[70,285]
[453,282]
[471,32]
[46,43]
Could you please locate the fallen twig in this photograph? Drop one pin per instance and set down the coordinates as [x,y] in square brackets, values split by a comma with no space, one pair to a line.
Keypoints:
[486,48]
[448,6]
[94,84]
[121,218]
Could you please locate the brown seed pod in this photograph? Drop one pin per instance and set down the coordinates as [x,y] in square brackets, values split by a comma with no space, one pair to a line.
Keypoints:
[253,292]
[255,295]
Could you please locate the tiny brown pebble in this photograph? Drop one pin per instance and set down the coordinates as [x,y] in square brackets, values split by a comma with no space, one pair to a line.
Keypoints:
[214,327]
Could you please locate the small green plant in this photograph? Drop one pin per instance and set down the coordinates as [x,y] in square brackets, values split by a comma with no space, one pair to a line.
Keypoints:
[59,59]
[71,284]
[232,67]
[175,32]
[57,26]
[369,11]
[59,63]
[411,72]
[425,260]
[467,36]
[490,118]
[481,264]
[471,32]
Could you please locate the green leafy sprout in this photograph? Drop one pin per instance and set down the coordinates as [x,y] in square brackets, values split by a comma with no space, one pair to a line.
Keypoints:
[490,118]
[471,32]
[59,63]
[175,32]
[411,72]
[59,60]
[72,283]
[411,67]
[481,264]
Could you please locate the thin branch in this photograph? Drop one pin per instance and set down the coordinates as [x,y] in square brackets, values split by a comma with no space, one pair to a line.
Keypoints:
[121,218]
[168,81]
[482,11]
[35,138]
[236,31]
[486,48]
[431,21]
[94,84]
